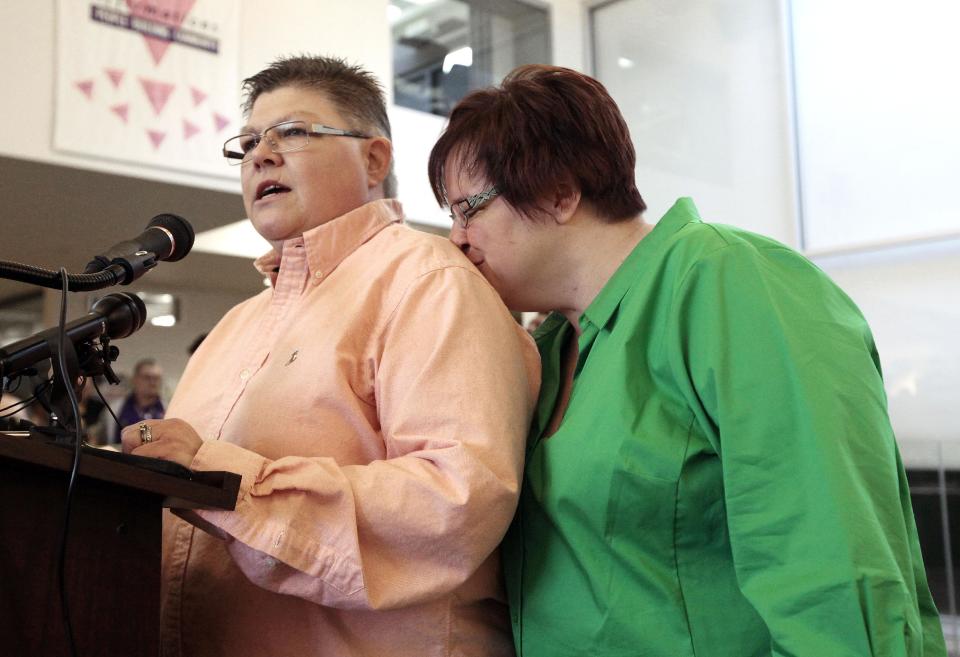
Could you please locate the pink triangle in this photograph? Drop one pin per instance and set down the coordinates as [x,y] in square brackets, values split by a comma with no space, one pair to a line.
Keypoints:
[115,75]
[121,111]
[166,12]
[86,86]
[189,129]
[220,121]
[157,92]
[157,47]
[156,137]
[198,96]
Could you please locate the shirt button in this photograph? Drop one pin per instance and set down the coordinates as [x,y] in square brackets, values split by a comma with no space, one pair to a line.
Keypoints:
[317,275]
[244,375]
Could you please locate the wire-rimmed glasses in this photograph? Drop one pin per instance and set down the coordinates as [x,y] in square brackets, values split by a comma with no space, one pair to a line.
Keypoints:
[461,212]
[282,138]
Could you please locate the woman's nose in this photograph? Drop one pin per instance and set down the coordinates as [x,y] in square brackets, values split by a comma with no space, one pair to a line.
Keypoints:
[458,236]
[263,152]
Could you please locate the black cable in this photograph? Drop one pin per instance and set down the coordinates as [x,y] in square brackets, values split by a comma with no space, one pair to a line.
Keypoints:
[78,443]
[23,403]
[105,404]
[17,406]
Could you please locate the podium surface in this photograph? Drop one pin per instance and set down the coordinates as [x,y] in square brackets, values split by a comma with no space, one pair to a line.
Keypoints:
[112,572]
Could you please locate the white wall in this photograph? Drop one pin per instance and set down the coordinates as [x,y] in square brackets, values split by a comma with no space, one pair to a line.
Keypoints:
[571,38]
[879,136]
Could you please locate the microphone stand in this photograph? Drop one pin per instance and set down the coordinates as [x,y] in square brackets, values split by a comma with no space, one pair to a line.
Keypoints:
[69,362]
[84,359]
[87,360]
[122,271]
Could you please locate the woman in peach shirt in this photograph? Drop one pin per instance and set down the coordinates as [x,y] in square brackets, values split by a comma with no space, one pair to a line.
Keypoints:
[375,401]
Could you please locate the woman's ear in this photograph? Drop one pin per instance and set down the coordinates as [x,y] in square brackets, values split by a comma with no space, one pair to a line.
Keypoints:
[379,154]
[565,203]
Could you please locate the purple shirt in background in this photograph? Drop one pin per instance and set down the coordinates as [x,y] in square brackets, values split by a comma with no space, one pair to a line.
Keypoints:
[131,414]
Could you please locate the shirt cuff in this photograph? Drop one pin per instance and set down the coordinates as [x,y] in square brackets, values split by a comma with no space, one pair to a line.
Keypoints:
[217,455]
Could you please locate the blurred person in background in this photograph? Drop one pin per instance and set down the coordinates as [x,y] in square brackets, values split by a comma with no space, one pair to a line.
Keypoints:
[144,401]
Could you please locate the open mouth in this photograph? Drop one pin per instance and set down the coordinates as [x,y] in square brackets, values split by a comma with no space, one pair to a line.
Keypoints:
[270,188]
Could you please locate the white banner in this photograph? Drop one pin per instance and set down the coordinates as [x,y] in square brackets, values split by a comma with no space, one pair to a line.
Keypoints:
[150,81]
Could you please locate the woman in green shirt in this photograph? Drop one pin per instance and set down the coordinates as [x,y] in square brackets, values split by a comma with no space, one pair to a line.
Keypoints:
[711,470]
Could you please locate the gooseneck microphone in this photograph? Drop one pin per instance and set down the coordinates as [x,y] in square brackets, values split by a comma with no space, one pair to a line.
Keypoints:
[167,237]
[117,315]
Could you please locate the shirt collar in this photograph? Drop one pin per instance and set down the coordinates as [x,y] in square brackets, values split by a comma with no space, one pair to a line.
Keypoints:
[329,244]
[602,308]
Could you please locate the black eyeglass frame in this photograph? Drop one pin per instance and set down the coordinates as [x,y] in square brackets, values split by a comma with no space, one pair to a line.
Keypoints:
[236,157]
[471,205]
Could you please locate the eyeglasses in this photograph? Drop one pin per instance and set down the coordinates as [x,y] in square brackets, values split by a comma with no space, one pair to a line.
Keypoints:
[282,138]
[461,212]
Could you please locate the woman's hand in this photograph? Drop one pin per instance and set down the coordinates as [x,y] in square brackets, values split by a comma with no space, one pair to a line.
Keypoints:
[171,440]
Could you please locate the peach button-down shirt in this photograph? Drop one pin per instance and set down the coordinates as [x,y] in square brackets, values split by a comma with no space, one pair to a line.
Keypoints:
[375,401]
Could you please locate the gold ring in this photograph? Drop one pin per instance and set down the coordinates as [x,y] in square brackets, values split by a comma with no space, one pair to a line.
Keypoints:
[146,435]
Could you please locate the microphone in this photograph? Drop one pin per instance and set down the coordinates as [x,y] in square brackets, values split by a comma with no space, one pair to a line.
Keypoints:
[167,237]
[118,315]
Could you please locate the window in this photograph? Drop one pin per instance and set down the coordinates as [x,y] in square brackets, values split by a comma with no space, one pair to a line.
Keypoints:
[878,137]
[444,48]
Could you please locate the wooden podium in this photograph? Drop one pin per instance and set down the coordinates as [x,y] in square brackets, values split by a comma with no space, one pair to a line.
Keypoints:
[112,568]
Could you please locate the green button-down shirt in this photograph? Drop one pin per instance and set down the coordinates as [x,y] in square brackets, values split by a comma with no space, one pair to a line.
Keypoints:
[725,482]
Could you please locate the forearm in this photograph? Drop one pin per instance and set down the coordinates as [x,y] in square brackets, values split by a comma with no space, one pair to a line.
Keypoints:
[386,534]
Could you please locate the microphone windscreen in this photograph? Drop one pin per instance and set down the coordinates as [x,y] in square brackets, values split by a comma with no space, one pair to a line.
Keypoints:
[124,313]
[182,233]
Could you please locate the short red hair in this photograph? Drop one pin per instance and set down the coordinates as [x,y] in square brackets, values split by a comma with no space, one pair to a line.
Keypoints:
[543,126]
